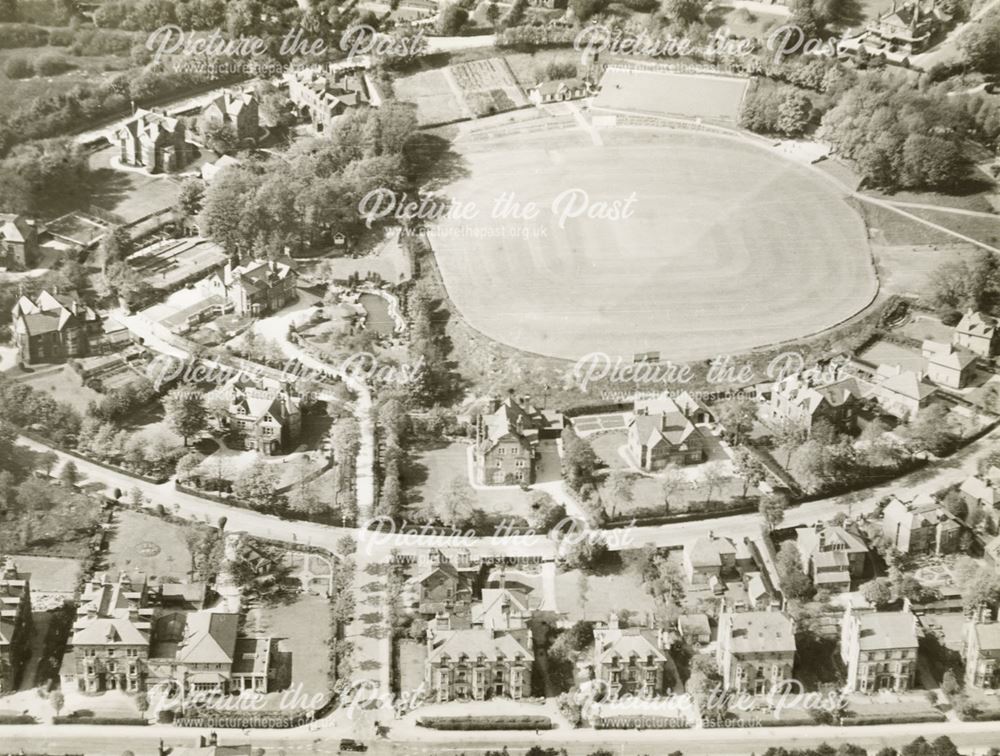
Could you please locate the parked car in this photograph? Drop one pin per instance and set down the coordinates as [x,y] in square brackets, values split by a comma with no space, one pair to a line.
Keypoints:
[347,744]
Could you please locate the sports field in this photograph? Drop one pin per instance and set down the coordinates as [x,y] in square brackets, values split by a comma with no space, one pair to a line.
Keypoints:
[662,92]
[728,246]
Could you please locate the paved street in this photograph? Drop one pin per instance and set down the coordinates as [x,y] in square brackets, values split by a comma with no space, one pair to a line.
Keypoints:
[970,737]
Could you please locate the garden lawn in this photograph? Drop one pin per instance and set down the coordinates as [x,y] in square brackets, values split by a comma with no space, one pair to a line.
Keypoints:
[301,630]
[63,384]
[592,597]
[147,544]
[432,470]
[436,101]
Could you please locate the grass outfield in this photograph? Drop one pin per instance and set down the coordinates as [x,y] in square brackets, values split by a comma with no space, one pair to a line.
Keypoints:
[729,247]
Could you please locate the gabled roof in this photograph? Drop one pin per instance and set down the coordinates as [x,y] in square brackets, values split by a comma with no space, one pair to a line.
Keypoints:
[977,324]
[209,638]
[628,642]
[104,631]
[947,355]
[511,419]
[828,538]
[800,391]
[908,384]
[500,607]
[475,642]
[672,429]
[982,489]
[15,228]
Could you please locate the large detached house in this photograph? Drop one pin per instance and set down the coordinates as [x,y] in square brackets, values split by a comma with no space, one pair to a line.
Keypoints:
[628,660]
[53,327]
[982,490]
[323,96]
[717,557]
[879,649]
[204,651]
[262,415]
[920,526]
[902,393]
[800,400]
[236,109]
[507,438]
[658,439]
[976,332]
[948,365]
[18,240]
[15,624]
[832,555]
[153,141]
[109,646]
[982,655]
[257,288]
[477,663]
[756,650]
[444,584]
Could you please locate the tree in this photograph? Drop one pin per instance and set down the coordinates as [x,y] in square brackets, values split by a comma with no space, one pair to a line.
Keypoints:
[34,495]
[545,513]
[620,487]
[931,431]
[255,488]
[304,496]
[17,67]
[584,9]
[345,440]
[451,19]
[712,477]
[749,468]
[190,198]
[672,479]
[933,161]
[878,593]
[579,460]
[789,434]
[346,545]
[584,553]
[185,412]
[794,113]
[69,475]
[390,502]
[221,138]
[493,13]
[772,508]
[811,465]
[683,11]
[981,45]
[572,641]
[123,281]
[737,416]
[188,464]
[57,700]
[455,507]
[794,581]
[116,246]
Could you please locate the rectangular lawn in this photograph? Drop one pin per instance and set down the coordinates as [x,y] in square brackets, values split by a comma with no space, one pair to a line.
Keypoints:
[143,543]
